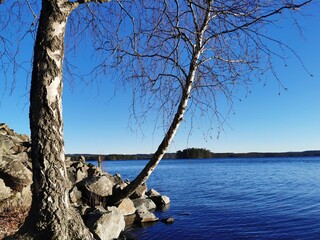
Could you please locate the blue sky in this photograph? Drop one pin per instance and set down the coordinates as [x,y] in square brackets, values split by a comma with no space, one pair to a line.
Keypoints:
[97,120]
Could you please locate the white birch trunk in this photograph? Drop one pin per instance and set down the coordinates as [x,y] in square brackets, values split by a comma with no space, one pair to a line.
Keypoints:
[51,216]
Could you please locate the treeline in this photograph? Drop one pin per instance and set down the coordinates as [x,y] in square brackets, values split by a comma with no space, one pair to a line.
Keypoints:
[315,153]
[89,157]
[115,157]
[197,153]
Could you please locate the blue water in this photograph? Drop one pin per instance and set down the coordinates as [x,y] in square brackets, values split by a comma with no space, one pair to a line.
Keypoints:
[266,198]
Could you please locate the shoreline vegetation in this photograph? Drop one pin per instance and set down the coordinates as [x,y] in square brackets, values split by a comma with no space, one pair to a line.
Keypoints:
[197,153]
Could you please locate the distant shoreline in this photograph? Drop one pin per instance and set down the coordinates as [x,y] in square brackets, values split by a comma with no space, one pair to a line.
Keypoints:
[114,157]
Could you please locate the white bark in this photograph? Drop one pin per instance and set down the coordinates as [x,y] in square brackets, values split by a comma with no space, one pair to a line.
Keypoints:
[51,216]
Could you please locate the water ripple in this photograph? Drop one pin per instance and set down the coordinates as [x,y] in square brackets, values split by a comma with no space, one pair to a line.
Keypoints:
[235,198]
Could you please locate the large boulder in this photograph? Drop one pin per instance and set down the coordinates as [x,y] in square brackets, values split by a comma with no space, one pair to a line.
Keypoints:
[148,203]
[15,170]
[127,207]
[161,201]
[94,189]
[77,169]
[15,174]
[106,224]
[12,143]
[143,215]
[99,185]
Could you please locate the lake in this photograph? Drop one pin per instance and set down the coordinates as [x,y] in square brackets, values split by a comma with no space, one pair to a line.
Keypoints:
[261,198]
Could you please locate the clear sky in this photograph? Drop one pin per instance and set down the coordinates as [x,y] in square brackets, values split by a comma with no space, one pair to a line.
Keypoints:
[97,120]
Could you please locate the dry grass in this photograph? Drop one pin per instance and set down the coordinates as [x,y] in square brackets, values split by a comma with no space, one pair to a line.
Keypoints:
[10,221]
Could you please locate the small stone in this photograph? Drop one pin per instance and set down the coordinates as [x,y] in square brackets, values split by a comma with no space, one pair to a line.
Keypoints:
[82,159]
[161,201]
[148,203]
[80,175]
[168,220]
[75,195]
[5,192]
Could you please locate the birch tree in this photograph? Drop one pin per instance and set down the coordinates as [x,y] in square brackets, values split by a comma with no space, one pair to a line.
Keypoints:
[51,215]
[191,53]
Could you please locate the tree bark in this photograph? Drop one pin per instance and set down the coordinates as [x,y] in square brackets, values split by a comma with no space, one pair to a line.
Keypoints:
[51,216]
[117,197]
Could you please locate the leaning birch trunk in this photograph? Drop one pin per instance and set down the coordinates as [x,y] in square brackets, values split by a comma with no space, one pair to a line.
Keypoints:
[51,216]
[157,156]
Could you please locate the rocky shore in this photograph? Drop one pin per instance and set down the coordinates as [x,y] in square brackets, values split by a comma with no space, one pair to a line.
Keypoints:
[89,187]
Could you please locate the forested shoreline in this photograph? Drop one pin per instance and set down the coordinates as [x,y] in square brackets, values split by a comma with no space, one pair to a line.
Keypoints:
[114,157]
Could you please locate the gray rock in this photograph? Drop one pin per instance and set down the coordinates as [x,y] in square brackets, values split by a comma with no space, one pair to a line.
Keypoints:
[77,171]
[15,170]
[15,175]
[95,171]
[148,203]
[127,207]
[11,142]
[18,200]
[5,130]
[80,174]
[100,185]
[106,225]
[161,201]
[144,216]
[168,220]
[81,159]
[5,192]
[6,144]
[75,195]
[152,193]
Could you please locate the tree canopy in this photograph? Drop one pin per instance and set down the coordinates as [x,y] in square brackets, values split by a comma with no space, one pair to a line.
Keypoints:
[194,153]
